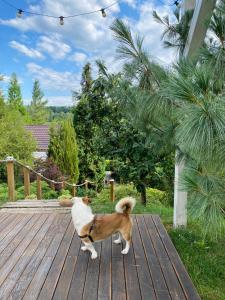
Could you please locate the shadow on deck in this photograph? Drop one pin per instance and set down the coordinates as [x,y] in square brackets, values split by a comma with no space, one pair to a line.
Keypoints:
[40,258]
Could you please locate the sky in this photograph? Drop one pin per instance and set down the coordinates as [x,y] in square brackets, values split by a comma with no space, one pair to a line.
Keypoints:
[37,47]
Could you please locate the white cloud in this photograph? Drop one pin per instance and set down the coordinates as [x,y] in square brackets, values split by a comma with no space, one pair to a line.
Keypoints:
[53,80]
[54,46]
[30,52]
[60,101]
[5,78]
[86,37]
[78,57]
[91,33]
[152,31]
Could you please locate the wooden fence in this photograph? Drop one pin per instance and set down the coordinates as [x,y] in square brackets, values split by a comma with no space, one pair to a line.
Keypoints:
[10,162]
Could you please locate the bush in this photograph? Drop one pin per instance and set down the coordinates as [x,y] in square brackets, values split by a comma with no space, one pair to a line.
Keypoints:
[48,169]
[157,196]
[82,192]
[31,197]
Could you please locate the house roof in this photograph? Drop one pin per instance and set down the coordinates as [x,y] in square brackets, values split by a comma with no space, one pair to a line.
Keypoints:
[41,135]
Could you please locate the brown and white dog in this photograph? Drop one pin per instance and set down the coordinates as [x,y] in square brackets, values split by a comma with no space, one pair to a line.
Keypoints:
[92,228]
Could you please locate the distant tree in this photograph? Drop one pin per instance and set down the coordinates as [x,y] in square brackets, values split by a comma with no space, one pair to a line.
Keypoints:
[63,149]
[14,139]
[59,113]
[86,79]
[15,96]
[37,109]
[1,97]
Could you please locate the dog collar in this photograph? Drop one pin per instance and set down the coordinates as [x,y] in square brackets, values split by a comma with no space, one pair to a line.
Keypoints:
[90,230]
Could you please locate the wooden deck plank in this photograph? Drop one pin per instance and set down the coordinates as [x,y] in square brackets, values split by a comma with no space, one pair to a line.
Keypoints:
[188,287]
[3,217]
[105,280]
[10,225]
[131,276]
[118,276]
[12,259]
[158,279]
[78,280]
[36,284]
[21,264]
[92,277]
[63,286]
[13,233]
[14,244]
[30,270]
[52,278]
[40,258]
[146,284]
[174,287]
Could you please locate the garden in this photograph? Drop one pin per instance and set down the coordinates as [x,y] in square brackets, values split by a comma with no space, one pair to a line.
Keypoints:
[132,123]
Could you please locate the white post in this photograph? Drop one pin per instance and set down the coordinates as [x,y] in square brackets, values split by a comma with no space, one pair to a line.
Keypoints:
[203,11]
[180,197]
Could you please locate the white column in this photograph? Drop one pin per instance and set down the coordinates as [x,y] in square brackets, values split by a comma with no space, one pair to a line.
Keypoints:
[203,11]
[180,197]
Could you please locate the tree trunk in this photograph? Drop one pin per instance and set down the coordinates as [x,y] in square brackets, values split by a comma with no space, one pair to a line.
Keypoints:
[141,188]
[143,196]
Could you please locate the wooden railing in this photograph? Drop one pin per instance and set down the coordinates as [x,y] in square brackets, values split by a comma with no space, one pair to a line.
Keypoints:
[10,162]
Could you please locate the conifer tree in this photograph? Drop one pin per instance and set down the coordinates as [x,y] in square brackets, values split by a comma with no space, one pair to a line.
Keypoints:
[37,109]
[63,149]
[86,78]
[15,96]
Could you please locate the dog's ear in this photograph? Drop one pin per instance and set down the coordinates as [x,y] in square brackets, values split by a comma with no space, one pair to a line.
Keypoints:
[86,200]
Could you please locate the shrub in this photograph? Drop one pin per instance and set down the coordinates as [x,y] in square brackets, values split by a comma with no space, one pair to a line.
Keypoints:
[157,196]
[31,197]
[48,169]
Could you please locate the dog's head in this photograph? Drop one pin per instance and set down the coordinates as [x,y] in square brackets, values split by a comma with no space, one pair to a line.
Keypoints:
[86,200]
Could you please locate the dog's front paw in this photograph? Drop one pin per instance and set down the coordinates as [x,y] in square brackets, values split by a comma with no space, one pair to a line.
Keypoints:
[117,241]
[124,251]
[84,248]
[94,255]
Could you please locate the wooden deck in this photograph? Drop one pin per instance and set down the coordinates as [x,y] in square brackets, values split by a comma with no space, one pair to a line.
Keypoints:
[40,258]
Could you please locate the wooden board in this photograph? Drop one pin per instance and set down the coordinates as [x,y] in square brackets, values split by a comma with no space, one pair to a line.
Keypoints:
[40,258]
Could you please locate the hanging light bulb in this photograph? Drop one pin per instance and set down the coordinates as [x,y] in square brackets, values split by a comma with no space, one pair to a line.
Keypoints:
[61,20]
[103,12]
[19,13]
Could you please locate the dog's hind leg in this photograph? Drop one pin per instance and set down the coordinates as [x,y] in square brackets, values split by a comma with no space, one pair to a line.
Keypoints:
[90,247]
[127,237]
[118,241]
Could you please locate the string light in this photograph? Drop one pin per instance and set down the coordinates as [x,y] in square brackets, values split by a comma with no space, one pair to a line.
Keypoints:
[20,12]
[176,2]
[61,20]
[103,12]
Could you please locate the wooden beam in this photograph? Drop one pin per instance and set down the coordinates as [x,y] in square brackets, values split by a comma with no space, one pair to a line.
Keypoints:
[74,190]
[112,190]
[26,177]
[39,188]
[10,178]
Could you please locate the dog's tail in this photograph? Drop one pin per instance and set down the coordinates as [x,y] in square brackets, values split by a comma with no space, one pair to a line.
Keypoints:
[125,205]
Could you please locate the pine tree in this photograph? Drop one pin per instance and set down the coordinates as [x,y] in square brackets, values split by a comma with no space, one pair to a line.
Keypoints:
[63,149]
[86,79]
[14,95]
[37,109]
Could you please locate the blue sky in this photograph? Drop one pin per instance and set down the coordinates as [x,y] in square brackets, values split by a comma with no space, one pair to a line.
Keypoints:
[36,47]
